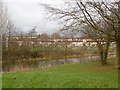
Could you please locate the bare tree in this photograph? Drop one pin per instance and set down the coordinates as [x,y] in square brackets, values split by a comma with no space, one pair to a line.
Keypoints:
[32,32]
[3,21]
[1,12]
[44,36]
[77,17]
[102,40]
[6,29]
[55,35]
[107,12]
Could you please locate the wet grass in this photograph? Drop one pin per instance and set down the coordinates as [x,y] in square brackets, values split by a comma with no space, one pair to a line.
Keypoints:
[82,75]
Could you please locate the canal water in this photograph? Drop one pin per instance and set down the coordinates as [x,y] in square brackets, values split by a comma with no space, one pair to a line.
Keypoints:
[45,64]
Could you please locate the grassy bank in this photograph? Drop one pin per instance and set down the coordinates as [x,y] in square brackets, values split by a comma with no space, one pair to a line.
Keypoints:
[82,75]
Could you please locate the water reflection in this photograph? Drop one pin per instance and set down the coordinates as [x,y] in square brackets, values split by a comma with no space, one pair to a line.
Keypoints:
[43,64]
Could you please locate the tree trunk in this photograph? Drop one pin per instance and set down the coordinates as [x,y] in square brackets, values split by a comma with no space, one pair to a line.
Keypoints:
[118,55]
[102,58]
[103,51]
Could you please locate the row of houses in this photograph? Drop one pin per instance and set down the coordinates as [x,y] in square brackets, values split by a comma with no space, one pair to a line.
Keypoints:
[51,41]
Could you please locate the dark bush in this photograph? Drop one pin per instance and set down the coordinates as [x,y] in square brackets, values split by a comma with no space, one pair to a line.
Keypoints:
[34,54]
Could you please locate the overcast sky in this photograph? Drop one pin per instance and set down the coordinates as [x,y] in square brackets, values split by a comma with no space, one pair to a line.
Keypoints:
[28,13]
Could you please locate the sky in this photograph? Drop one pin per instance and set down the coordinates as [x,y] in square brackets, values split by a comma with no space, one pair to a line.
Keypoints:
[28,13]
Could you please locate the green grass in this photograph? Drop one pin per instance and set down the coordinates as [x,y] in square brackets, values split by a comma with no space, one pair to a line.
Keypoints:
[81,75]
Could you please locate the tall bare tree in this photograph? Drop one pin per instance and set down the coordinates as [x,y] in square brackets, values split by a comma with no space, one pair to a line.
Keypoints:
[6,28]
[102,40]
[78,16]
[1,12]
[108,13]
